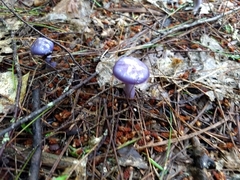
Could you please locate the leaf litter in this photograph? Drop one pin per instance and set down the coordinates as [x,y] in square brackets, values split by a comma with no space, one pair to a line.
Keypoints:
[183,120]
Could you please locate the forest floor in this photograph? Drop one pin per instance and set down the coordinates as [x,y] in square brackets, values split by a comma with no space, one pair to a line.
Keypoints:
[65,116]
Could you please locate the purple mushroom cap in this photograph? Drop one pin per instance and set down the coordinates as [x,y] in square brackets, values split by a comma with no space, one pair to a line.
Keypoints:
[130,71]
[42,47]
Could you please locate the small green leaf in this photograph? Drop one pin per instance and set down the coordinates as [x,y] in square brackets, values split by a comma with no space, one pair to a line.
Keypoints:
[26,128]
[228,28]
[63,177]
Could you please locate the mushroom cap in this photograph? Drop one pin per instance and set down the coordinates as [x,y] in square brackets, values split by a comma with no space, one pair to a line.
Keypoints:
[42,46]
[131,70]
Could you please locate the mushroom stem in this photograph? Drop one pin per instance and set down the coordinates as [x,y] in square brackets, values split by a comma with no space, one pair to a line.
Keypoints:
[196,6]
[129,90]
[49,62]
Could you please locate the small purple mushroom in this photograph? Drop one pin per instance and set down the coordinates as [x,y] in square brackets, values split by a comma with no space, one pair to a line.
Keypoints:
[43,47]
[130,71]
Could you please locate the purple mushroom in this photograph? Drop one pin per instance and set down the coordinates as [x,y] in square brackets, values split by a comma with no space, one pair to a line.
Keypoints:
[43,47]
[130,71]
